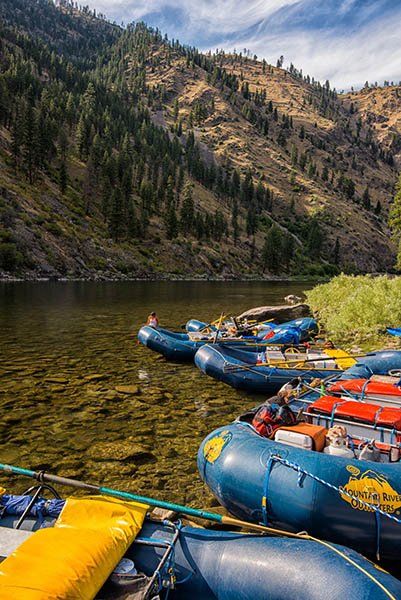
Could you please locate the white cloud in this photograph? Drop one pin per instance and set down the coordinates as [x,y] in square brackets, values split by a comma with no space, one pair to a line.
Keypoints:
[216,15]
[346,6]
[347,42]
[370,54]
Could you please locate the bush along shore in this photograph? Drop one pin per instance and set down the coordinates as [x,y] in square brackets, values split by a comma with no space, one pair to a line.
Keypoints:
[356,311]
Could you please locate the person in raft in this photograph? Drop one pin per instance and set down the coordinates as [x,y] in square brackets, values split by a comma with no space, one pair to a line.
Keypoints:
[153,320]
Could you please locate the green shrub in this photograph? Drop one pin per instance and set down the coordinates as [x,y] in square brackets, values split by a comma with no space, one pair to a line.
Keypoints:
[357,307]
[10,257]
[98,263]
[54,228]
[125,267]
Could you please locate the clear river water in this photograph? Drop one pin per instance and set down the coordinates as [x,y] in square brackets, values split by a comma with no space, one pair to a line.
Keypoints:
[80,398]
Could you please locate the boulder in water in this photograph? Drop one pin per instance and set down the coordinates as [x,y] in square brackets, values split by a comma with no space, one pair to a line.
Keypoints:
[279,314]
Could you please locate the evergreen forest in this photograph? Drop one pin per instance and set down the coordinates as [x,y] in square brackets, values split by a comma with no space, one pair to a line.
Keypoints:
[126,154]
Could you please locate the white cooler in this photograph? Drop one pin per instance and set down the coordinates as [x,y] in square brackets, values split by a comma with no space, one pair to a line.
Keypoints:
[294,438]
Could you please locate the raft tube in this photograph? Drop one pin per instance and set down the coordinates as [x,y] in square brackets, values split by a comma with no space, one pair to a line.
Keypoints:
[216,565]
[219,565]
[238,368]
[266,481]
[180,347]
[195,325]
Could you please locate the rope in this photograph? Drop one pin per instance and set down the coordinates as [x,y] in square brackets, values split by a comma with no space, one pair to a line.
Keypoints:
[377,416]
[298,468]
[363,388]
[352,562]
[301,472]
[351,395]
[333,410]
[169,567]
[264,500]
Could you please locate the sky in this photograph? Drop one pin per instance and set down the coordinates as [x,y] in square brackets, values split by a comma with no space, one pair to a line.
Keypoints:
[347,42]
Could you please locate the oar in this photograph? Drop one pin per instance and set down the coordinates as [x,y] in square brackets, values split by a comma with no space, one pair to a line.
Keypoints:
[41,476]
[223,316]
[218,328]
[295,362]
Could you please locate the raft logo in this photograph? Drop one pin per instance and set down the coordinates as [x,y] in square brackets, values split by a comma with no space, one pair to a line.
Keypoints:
[373,489]
[213,447]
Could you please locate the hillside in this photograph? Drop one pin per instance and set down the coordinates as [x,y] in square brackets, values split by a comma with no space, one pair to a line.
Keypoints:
[379,109]
[124,154]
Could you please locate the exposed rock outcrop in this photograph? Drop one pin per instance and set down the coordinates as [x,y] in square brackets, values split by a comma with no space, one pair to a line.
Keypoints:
[279,314]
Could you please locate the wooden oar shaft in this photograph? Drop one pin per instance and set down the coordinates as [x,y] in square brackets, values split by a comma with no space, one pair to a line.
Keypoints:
[307,360]
[212,323]
[218,328]
[263,528]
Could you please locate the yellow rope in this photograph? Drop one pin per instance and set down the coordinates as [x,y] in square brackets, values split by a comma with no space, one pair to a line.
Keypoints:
[306,536]
[389,594]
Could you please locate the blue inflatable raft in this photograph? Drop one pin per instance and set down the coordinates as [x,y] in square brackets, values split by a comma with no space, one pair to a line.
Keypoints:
[353,498]
[168,560]
[266,371]
[183,346]
[394,331]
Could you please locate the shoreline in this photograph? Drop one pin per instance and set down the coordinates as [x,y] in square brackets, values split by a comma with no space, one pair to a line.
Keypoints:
[92,279]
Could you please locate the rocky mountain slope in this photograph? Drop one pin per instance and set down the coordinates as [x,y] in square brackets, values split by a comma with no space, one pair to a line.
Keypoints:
[125,155]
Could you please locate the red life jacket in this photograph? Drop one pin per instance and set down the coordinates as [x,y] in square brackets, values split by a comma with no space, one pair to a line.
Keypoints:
[269,418]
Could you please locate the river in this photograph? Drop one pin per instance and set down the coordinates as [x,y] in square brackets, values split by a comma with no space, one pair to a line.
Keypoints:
[80,398]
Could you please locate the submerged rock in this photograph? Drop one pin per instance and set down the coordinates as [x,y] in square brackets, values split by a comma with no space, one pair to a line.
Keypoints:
[96,377]
[128,389]
[120,451]
[60,380]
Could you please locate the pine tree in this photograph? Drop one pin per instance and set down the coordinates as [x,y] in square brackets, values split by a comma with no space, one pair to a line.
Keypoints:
[116,216]
[132,221]
[29,143]
[169,195]
[106,196]
[175,110]
[366,198]
[315,239]
[82,137]
[16,139]
[235,183]
[251,220]
[247,188]
[147,194]
[302,160]
[171,222]
[89,187]
[271,252]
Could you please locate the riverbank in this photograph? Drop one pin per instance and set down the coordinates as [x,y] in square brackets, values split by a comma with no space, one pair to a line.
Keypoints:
[4,277]
[356,311]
